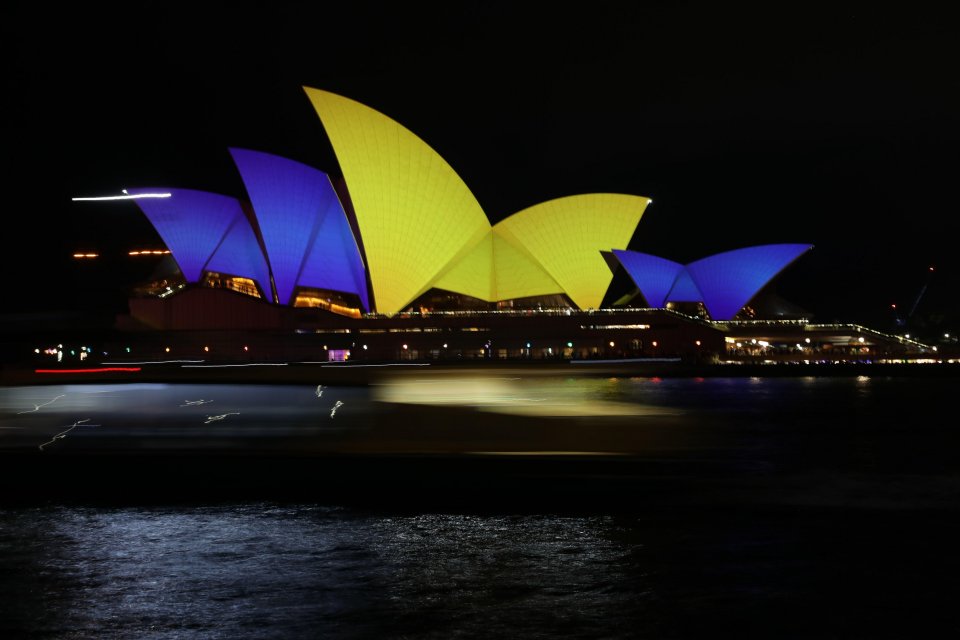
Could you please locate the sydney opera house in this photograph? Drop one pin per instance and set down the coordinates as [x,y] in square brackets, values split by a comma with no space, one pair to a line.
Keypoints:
[396,259]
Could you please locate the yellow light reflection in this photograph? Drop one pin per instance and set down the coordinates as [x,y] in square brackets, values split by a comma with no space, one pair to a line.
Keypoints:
[509,395]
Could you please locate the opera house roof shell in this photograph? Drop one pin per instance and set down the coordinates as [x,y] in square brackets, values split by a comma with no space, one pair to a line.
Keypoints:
[724,282]
[414,225]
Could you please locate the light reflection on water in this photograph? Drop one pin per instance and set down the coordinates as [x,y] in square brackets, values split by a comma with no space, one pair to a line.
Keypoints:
[533,396]
[576,396]
[589,396]
[263,570]
[266,570]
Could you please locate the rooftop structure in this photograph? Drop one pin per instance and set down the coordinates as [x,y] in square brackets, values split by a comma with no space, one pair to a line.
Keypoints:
[417,226]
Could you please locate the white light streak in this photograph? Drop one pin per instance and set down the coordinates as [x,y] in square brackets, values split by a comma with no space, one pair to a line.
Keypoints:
[63,434]
[624,360]
[125,197]
[37,406]
[222,416]
[223,366]
[390,364]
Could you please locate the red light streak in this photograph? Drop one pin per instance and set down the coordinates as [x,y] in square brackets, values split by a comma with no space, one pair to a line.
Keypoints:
[101,370]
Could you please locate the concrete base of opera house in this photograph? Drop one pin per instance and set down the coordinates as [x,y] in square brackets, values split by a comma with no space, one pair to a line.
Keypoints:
[223,335]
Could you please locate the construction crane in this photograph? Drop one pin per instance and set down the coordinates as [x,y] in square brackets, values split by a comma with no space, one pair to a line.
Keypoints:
[923,290]
[916,301]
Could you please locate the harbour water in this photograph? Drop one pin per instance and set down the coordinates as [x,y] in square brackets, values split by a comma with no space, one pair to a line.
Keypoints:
[762,508]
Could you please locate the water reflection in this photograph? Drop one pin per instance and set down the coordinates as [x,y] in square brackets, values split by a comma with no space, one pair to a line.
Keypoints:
[251,570]
[532,396]
[267,570]
[770,508]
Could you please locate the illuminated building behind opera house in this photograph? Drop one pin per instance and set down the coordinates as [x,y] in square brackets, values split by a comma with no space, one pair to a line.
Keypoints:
[397,260]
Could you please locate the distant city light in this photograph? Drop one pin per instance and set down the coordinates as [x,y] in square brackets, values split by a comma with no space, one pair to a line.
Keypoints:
[126,196]
[86,255]
[149,252]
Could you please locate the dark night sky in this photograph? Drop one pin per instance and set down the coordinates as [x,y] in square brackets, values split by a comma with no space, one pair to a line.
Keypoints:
[834,124]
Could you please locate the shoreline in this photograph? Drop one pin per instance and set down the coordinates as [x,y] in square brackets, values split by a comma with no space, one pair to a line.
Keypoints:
[362,374]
